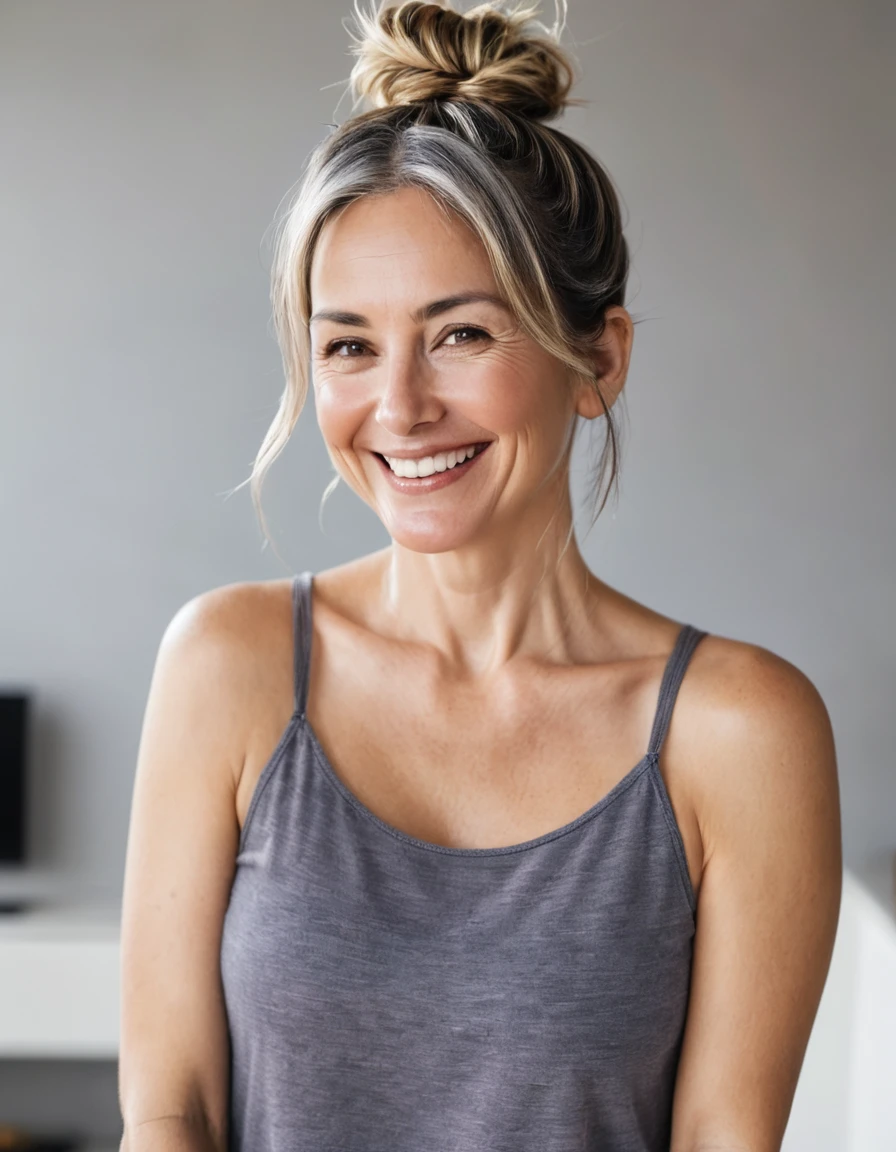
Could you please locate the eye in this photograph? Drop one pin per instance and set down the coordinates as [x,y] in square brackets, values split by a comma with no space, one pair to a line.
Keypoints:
[335,345]
[478,334]
[347,348]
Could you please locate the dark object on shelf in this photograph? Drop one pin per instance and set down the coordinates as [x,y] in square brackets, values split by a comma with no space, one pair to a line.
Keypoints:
[18,1140]
[12,908]
[13,758]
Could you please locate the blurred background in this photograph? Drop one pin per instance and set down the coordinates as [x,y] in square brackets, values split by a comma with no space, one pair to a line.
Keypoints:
[146,150]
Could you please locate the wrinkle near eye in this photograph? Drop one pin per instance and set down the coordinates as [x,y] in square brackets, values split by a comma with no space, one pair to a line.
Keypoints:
[337,348]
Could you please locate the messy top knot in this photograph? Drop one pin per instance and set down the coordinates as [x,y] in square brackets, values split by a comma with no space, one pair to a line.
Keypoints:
[417,51]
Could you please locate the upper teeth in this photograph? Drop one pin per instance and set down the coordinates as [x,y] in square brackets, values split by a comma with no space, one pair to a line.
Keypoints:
[426,465]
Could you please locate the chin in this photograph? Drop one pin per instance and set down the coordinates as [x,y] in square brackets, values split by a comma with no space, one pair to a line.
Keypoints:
[428,537]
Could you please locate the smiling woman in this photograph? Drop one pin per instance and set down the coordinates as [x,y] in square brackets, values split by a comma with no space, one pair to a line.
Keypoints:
[529,217]
[456,846]
[397,380]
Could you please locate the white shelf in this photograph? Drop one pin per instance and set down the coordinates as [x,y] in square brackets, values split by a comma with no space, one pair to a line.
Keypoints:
[59,982]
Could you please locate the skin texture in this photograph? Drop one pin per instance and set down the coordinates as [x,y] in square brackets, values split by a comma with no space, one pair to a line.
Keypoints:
[496,688]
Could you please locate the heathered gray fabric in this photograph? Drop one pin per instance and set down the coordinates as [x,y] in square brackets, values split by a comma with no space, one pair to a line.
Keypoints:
[385,994]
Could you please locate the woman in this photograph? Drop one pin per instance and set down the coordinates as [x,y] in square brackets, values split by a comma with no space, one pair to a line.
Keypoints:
[456,846]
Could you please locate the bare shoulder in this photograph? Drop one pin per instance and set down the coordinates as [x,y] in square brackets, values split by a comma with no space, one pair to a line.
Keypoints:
[232,645]
[759,743]
[757,747]
[230,614]
[212,664]
[227,626]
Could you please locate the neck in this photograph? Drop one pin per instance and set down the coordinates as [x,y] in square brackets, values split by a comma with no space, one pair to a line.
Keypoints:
[529,593]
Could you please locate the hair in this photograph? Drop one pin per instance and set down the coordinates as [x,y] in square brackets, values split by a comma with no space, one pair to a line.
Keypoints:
[459,105]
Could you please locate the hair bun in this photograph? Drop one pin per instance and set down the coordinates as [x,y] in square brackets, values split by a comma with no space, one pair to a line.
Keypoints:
[416,51]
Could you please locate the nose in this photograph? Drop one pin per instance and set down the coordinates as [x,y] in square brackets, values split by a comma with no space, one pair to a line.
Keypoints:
[408,394]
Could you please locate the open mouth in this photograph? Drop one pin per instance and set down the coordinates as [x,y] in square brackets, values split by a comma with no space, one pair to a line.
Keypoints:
[430,472]
[431,467]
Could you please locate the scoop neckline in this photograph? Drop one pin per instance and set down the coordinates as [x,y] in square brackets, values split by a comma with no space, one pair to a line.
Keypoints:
[619,788]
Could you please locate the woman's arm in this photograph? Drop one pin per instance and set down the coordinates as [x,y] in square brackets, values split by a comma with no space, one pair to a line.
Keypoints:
[182,843]
[171,1134]
[768,807]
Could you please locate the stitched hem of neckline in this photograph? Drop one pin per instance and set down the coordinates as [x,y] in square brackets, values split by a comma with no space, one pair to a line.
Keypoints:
[618,790]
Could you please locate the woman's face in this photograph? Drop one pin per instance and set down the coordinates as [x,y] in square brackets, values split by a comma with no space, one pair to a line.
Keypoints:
[415,358]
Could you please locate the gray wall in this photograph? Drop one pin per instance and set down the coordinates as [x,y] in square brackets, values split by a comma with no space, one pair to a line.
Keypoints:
[146,148]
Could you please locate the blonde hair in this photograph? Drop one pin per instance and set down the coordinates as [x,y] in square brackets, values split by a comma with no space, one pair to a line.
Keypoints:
[459,104]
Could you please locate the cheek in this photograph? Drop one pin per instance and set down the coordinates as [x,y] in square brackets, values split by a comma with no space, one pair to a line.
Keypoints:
[340,412]
[521,400]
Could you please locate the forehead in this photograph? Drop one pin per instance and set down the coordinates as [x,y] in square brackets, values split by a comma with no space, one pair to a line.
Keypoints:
[400,239]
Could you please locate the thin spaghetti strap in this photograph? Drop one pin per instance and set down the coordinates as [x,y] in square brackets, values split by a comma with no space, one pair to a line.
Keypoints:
[687,640]
[301,615]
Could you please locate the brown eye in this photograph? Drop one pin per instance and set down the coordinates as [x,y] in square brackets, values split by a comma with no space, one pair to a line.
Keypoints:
[477,334]
[338,344]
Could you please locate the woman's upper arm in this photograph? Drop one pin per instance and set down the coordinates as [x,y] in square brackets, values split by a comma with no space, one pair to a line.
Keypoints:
[769,901]
[182,844]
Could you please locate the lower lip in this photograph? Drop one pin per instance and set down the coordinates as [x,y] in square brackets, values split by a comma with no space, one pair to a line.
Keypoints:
[435,481]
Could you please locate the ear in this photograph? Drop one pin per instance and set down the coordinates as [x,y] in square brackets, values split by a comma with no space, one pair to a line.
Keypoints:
[611,355]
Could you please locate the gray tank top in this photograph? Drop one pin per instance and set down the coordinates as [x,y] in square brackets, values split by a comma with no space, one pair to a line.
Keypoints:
[387,994]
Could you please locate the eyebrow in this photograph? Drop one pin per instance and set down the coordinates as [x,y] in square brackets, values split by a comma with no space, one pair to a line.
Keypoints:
[426,312]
